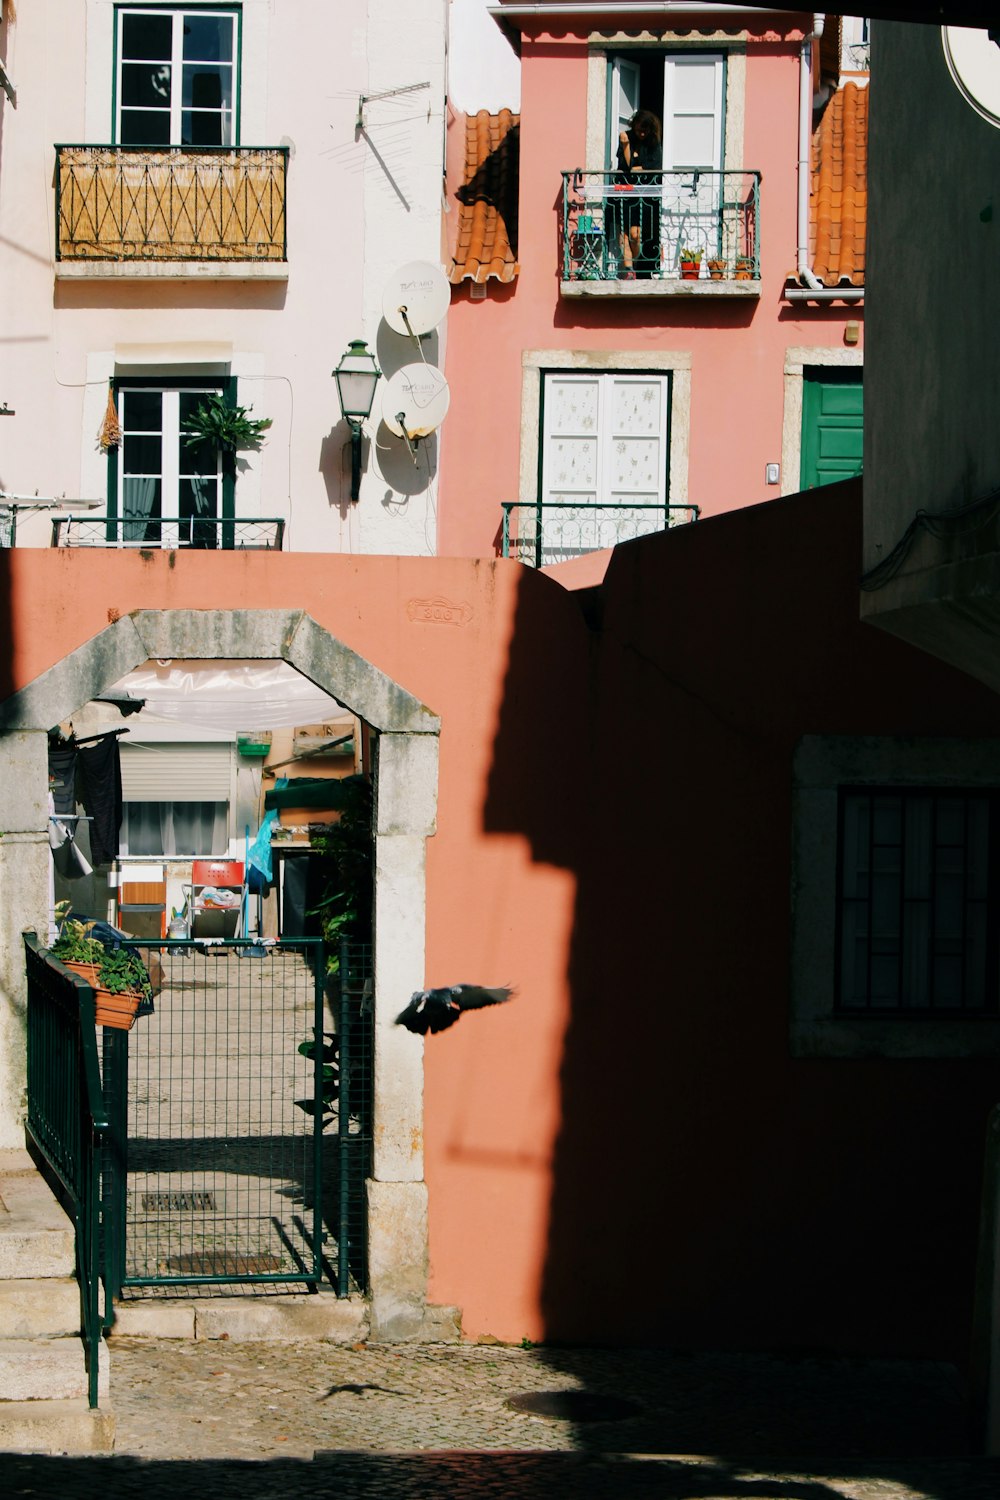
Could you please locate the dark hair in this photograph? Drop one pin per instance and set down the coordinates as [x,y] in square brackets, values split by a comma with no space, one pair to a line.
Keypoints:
[645,124]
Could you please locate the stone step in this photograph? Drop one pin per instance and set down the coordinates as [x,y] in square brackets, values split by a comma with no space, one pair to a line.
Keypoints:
[36,1236]
[55,1427]
[39,1309]
[47,1370]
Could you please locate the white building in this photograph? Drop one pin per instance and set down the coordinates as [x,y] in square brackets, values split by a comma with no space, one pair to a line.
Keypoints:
[212,197]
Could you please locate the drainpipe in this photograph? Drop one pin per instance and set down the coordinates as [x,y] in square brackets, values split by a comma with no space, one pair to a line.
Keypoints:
[805,271]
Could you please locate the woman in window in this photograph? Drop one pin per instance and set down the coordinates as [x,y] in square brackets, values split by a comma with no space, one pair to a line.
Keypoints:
[640,162]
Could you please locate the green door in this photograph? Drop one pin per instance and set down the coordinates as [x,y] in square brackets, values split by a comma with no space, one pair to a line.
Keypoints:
[832,425]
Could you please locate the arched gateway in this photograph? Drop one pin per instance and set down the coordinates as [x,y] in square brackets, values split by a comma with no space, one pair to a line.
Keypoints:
[404,811]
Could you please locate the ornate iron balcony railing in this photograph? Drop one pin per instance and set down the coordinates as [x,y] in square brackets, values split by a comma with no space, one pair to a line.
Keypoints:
[608,223]
[201,533]
[542,534]
[222,203]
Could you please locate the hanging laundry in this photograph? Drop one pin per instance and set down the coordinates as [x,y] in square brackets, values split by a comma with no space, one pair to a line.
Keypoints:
[62,779]
[67,857]
[99,771]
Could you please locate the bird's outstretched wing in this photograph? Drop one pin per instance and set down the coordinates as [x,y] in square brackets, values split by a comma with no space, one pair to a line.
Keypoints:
[436,1010]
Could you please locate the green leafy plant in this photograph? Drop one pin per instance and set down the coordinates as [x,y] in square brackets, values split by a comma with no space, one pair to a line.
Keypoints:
[345,851]
[122,972]
[228,427]
[330,1053]
[690,254]
[75,944]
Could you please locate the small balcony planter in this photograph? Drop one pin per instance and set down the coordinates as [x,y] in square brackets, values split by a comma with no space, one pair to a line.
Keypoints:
[117,976]
[690,264]
[717,269]
[744,268]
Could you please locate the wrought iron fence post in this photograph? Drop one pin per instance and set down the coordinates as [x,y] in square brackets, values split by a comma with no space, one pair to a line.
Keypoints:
[344,1126]
[319,970]
[114,1159]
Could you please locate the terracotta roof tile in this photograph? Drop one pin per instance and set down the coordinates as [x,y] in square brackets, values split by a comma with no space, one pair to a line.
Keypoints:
[486,239]
[840,189]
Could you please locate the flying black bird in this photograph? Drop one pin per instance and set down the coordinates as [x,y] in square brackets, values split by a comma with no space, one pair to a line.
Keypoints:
[436,1010]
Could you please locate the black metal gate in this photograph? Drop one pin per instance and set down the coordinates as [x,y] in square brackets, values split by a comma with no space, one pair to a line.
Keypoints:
[241,1121]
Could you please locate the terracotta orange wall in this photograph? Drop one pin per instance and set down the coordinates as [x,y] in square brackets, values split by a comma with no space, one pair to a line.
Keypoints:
[738,347]
[496,914]
[627,1153]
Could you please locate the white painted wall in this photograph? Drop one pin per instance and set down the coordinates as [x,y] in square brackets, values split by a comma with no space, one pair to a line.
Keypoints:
[484,72]
[360,203]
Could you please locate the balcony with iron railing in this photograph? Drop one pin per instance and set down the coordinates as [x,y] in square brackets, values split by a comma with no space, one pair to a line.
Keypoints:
[542,533]
[191,210]
[715,214]
[202,533]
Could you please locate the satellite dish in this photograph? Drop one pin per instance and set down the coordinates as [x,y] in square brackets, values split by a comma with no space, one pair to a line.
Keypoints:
[974,63]
[416,298]
[415,401]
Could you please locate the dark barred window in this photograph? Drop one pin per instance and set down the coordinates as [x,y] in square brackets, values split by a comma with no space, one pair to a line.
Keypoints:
[917,929]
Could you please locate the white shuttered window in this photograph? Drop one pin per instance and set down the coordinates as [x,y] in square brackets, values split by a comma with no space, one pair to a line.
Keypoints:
[605,459]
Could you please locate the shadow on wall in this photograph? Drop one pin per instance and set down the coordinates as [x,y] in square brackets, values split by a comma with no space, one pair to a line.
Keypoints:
[710,1192]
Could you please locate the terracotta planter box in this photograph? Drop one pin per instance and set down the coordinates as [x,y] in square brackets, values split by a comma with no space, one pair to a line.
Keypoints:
[118,1011]
[86,971]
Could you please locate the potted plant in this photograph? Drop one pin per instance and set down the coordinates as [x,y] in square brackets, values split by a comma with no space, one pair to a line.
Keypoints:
[716,268]
[690,259]
[75,947]
[122,988]
[228,427]
[117,976]
[744,268]
[225,427]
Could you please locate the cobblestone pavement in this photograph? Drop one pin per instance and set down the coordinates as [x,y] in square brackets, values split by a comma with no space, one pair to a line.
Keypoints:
[396,1422]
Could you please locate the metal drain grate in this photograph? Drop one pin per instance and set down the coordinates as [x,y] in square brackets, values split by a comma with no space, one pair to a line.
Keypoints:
[177,1203]
[222,1263]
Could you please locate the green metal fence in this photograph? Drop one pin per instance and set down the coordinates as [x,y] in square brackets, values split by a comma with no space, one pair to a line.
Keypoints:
[215,1144]
[354,1116]
[221,1168]
[68,1121]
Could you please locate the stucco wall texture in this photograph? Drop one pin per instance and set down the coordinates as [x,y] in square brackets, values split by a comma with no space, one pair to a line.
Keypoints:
[627,1152]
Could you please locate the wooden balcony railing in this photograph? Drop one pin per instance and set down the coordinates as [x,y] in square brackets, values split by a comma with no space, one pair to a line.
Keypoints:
[220,203]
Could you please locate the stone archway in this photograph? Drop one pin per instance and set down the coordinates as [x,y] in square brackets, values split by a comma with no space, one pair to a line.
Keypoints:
[404,812]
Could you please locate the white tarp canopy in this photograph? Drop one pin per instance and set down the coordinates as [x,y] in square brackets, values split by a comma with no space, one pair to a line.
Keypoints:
[232,696]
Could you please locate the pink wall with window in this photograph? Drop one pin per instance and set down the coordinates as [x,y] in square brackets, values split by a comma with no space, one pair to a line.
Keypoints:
[736,346]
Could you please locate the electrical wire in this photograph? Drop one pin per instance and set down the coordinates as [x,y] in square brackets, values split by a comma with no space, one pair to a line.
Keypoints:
[962,521]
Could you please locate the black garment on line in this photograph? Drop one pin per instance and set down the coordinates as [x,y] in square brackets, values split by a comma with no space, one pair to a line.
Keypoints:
[99,777]
[62,780]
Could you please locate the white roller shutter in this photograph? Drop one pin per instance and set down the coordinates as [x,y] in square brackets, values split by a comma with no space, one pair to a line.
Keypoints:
[176,773]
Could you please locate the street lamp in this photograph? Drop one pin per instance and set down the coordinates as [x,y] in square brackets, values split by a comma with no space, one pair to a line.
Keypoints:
[356,376]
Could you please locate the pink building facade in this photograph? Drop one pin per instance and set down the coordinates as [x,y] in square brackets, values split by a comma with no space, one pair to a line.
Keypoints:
[547,366]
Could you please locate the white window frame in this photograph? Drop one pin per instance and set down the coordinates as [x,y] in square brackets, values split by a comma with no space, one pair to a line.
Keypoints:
[535,363]
[822,766]
[603,56]
[171,439]
[178,14]
[605,437]
[99,53]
